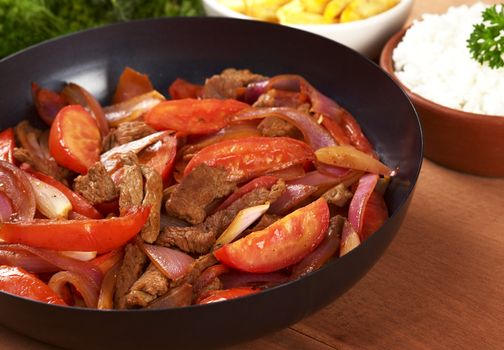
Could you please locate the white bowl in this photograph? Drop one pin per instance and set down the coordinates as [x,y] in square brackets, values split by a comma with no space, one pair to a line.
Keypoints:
[366,36]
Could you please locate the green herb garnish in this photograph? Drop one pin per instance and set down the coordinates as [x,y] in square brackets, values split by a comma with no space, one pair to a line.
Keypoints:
[486,42]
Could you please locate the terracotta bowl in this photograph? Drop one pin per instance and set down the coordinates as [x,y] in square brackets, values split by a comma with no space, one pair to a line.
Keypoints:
[467,142]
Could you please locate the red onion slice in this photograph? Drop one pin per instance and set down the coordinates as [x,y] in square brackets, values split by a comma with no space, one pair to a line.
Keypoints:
[14,185]
[359,200]
[293,195]
[88,290]
[236,279]
[349,239]
[314,134]
[172,263]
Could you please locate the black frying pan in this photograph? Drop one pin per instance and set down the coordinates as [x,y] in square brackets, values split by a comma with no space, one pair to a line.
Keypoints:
[194,48]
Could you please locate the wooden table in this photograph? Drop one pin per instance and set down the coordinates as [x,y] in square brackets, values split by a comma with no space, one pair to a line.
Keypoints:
[440,285]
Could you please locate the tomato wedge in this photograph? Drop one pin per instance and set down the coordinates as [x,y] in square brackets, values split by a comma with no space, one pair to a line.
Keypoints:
[101,235]
[131,84]
[79,204]
[181,88]
[7,144]
[74,139]
[226,294]
[281,244]
[192,116]
[252,156]
[375,215]
[17,281]
[160,156]
[47,103]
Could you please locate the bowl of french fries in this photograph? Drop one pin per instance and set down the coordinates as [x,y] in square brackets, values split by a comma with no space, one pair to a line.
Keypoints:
[363,25]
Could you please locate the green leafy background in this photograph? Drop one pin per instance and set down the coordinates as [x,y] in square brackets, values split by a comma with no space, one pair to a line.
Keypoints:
[26,22]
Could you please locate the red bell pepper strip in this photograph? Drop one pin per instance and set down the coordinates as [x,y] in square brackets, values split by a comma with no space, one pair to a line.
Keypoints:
[101,235]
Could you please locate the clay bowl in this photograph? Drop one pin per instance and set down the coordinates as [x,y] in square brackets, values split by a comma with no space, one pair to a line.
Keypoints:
[467,142]
[195,48]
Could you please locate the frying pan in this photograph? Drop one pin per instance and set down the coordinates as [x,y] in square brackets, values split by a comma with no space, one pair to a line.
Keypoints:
[195,48]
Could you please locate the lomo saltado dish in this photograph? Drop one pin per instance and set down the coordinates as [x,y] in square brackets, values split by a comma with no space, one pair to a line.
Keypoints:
[225,189]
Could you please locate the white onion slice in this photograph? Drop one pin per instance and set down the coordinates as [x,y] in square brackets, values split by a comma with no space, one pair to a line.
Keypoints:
[49,200]
[242,220]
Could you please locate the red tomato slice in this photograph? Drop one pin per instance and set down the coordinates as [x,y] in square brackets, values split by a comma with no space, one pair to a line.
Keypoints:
[181,88]
[74,139]
[17,281]
[252,156]
[77,95]
[192,116]
[160,156]
[131,84]
[7,144]
[48,103]
[282,244]
[226,294]
[101,235]
[79,204]
[375,215]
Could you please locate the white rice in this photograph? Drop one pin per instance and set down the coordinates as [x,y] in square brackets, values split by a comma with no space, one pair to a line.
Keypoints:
[434,62]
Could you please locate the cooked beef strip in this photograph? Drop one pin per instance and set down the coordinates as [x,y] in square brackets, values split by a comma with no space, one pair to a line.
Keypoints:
[34,151]
[153,189]
[279,98]
[225,85]
[130,188]
[274,127]
[96,186]
[339,195]
[154,284]
[132,267]
[126,132]
[148,287]
[197,190]
[189,239]
[201,238]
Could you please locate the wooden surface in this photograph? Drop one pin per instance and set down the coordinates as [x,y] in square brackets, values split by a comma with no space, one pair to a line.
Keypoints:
[440,285]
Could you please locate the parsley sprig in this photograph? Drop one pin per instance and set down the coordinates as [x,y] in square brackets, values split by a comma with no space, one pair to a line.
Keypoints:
[486,42]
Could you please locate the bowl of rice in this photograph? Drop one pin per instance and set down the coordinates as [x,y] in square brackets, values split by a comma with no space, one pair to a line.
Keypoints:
[460,101]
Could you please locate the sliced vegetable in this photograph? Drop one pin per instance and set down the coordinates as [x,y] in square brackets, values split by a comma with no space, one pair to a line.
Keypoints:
[349,239]
[375,215]
[107,289]
[171,262]
[252,156]
[359,201]
[17,195]
[132,109]
[258,182]
[160,156]
[82,235]
[77,95]
[242,220]
[81,256]
[50,201]
[181,88]
[325,251]
[192,116]
[48,103]
[7,144]
[17,281]
[74,139]
[6,209]
[237,279]
[131,84]
[88,290]
[176,297]
[315,135]
[350,157]
[136,146]
[79,204]
[283,243]
[293,196]
[226,294]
